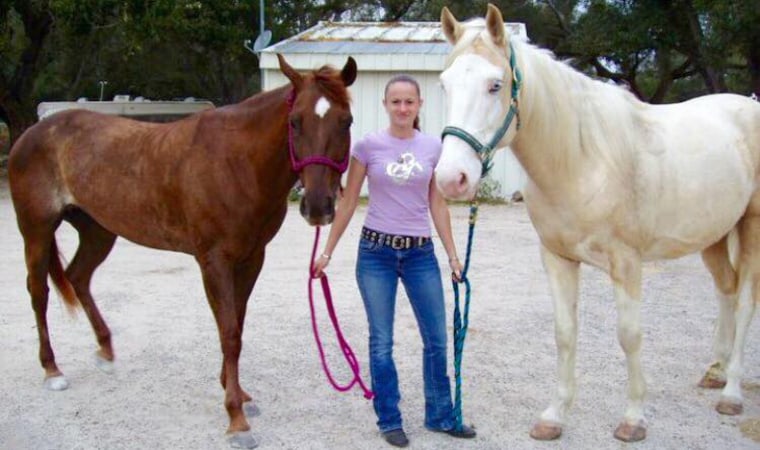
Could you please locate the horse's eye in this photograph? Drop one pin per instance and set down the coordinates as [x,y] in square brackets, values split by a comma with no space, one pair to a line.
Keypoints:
[495,86]
[295,123]
[346,122]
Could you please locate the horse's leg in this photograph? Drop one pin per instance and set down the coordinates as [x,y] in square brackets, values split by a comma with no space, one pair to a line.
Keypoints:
[625,271]
[749,277]
[716,258]
[95,243]
[218,281]
[246,275]
[37,257]
[563,277]
[38,237]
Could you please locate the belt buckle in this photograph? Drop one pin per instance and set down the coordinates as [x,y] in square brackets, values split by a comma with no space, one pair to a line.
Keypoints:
[398,242]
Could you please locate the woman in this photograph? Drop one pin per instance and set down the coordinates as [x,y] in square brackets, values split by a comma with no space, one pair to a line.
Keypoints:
[395,244]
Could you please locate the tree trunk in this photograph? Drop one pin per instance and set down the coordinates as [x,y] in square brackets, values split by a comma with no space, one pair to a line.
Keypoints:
[18,118]
[697,51]
[16,104]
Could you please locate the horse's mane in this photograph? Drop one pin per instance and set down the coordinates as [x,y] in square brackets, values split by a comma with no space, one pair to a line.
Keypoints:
[329,80]
[577,113]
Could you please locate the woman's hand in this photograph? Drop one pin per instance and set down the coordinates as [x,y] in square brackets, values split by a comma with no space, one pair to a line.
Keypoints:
[456,269]
[320,264]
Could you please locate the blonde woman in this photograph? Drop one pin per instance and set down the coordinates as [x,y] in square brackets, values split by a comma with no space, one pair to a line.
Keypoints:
[395,245]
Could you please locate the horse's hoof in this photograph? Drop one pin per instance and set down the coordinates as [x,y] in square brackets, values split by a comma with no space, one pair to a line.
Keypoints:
[546,431]
[242,439]
[729,407]
[251,409]
[714,378]
[103,364]
[707,382]
[630,433]
[56,383]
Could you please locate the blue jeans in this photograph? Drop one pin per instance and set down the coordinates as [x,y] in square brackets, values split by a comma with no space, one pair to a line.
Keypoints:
[378,270]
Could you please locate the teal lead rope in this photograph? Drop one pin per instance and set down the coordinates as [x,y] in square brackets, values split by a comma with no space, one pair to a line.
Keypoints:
[461,322]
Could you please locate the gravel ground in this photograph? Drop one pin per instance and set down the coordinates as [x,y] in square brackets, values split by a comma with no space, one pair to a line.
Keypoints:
[165,391]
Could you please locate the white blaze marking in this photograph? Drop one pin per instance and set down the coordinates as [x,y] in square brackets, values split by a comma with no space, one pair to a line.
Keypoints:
[321,107]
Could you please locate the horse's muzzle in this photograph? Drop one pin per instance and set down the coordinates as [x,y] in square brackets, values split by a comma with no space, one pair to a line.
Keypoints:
[318,210]
[455,185]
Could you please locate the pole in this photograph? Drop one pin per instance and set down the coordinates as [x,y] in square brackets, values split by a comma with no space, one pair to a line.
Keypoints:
[261,16]
[261,33]
[102,85]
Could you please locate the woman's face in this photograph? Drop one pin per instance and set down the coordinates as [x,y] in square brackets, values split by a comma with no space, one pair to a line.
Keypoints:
[402,103]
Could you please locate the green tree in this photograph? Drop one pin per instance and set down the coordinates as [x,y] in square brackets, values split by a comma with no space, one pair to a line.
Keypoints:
[734,38]
[159,49]
[62,49]
[24,29]
[663,50]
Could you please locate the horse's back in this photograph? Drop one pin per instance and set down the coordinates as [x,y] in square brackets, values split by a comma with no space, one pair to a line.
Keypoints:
[724,114]
[697,172]
[723,101]
[692,173]
[712,135]
[115,169]
[80,147]
[66,135]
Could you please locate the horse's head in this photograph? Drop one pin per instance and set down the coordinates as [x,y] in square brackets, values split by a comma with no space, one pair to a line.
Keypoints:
[481,84]
[319,125]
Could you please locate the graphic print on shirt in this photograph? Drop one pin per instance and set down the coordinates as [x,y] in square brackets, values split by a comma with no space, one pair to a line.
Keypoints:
[403,169]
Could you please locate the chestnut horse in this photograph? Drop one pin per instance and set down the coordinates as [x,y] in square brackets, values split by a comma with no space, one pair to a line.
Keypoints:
[612,182]
[213,185]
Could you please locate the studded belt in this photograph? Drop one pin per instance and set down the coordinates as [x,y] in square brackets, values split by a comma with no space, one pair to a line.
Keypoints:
[394,241]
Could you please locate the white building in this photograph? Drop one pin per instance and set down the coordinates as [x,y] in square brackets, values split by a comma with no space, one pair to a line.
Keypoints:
[382,49]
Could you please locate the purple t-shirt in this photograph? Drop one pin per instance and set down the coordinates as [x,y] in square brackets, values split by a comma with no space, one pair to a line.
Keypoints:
[398,174]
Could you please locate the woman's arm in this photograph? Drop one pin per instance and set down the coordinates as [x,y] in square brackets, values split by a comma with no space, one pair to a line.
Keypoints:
[439,211]
[343,214]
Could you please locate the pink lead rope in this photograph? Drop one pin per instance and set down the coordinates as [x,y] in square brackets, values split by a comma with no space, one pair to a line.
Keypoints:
[347,352]
[341,166]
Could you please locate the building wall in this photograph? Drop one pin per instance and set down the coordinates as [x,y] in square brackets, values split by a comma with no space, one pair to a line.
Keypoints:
[367,94]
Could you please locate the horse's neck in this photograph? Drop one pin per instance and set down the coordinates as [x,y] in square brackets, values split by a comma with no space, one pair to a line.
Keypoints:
[566,119]
[545,114]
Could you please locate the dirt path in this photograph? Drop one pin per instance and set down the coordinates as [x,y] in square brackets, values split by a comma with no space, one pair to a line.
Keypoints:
[165,392]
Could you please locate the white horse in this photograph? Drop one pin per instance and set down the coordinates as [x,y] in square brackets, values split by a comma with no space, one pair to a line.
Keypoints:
[612,182]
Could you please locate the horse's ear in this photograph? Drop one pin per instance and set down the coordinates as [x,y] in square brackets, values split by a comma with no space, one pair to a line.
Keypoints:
[495,26]
[289,72]
[450,26]
[348,74]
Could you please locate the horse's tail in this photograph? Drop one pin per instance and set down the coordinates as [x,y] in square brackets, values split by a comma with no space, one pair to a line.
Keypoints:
[61,283]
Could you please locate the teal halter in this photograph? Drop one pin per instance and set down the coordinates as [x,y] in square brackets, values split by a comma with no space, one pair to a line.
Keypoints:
[486,151]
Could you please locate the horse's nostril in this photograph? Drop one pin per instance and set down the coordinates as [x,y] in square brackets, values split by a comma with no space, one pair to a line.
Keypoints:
[462,182]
